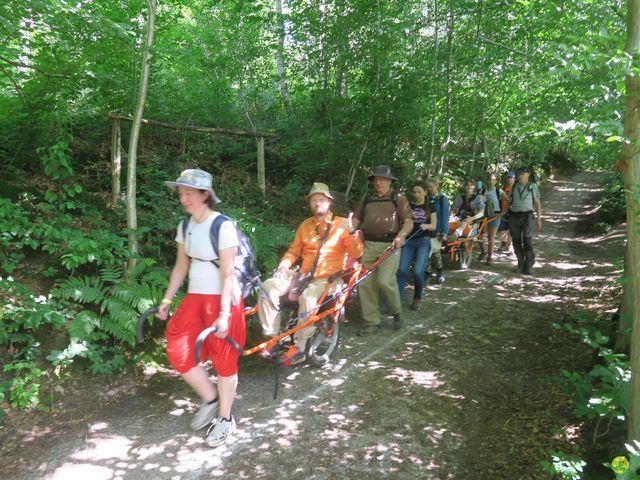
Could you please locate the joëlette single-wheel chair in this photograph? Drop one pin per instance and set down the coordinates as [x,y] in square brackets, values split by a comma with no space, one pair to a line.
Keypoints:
[460,250]
[325,316]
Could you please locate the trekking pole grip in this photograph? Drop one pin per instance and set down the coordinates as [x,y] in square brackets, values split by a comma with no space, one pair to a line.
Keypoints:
[141,321]
[205,333]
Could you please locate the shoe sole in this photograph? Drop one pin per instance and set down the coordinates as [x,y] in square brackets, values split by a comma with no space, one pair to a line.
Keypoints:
[367,333]
[222,440]
[199,426]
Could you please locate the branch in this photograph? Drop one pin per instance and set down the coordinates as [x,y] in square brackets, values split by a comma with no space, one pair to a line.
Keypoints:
[24,65]
[524,54]
[14,83]
[616,10]
[224,131]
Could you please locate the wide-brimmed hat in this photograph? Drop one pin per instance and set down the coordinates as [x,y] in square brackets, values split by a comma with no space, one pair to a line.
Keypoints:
[318,187]
[195,178]
[522,169]
[383,171]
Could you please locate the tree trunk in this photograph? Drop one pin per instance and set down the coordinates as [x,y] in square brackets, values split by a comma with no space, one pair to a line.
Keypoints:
[448,119]
[284,91]
[435,87]
[629,163]
[116,160]
[625,311]
[486,159]
[132,219]
[262,184]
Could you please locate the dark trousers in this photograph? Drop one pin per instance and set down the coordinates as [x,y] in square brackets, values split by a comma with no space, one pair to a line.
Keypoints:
[521,225]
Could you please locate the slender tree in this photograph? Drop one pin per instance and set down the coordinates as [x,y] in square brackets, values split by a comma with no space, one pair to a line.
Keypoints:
[132,219]
[629,163]
[435,86]
[449,99]
[284,90]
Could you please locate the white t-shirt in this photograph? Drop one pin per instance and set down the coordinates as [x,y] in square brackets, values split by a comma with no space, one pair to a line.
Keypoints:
[204,276]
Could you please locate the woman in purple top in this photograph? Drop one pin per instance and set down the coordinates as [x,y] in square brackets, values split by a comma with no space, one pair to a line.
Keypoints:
[418,244]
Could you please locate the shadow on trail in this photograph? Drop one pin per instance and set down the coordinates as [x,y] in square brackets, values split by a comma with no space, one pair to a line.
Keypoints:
[457,394]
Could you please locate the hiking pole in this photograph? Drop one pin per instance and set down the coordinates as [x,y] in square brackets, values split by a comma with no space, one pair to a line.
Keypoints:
[140,324]
[208,331]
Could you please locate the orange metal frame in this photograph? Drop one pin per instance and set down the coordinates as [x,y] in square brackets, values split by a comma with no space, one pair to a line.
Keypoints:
[468,242]
[315,315]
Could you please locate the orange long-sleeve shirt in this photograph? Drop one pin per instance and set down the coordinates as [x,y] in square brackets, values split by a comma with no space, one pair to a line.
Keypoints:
[339,245]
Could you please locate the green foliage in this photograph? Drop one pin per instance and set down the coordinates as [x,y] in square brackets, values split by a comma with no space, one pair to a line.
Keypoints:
[116,300]
[23,313]
[25,388]
[56,234]
[602,392]
[612,205]
[565,467]
[627,468]
[22,316]
[95,347]
[56,158]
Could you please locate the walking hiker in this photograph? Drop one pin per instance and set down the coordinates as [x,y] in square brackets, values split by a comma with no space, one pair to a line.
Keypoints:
[323,243]
[523,202]
[385,218]
[418,246]
[213,299]
[467,207]
[439,204]
[503,230]
[493,197]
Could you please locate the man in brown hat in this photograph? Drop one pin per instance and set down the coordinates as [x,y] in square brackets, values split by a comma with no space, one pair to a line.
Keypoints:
[323,241]
[385,218]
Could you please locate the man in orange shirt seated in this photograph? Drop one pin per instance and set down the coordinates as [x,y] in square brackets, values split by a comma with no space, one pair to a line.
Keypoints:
[339,242]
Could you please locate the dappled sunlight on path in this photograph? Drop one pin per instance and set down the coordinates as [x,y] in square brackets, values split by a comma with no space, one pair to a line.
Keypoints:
[436,400]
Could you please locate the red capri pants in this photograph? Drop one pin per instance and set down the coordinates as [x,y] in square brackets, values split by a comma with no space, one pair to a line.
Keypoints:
[195,313]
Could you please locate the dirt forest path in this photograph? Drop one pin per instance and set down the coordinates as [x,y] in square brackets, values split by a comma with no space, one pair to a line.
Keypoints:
[457,394]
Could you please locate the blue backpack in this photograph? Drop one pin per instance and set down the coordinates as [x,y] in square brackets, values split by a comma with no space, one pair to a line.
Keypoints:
[245,266]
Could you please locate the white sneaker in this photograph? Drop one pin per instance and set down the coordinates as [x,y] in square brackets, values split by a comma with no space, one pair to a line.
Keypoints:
[206,413]
[220,430]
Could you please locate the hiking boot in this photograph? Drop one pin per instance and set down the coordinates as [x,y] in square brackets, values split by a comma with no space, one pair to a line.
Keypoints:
[481,256]
[220,430]
[206,413]
[397,321]
[440,278]
[415,305]
[274,351]
[369,330]
[518,269]
[293,356]
[526,270]
[489,262]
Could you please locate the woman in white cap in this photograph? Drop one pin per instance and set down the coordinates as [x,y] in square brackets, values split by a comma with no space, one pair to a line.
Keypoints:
[212,299]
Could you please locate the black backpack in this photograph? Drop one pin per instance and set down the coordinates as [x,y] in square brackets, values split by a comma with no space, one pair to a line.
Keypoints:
[245,265]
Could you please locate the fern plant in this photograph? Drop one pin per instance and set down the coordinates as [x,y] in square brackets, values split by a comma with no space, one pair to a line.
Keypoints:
[269,242]
[114,301]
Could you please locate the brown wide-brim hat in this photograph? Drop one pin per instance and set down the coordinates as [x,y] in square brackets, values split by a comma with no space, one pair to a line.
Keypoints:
[194,178]
[383,171]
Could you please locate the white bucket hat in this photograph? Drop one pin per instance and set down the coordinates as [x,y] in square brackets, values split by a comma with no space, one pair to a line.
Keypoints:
[195,178]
